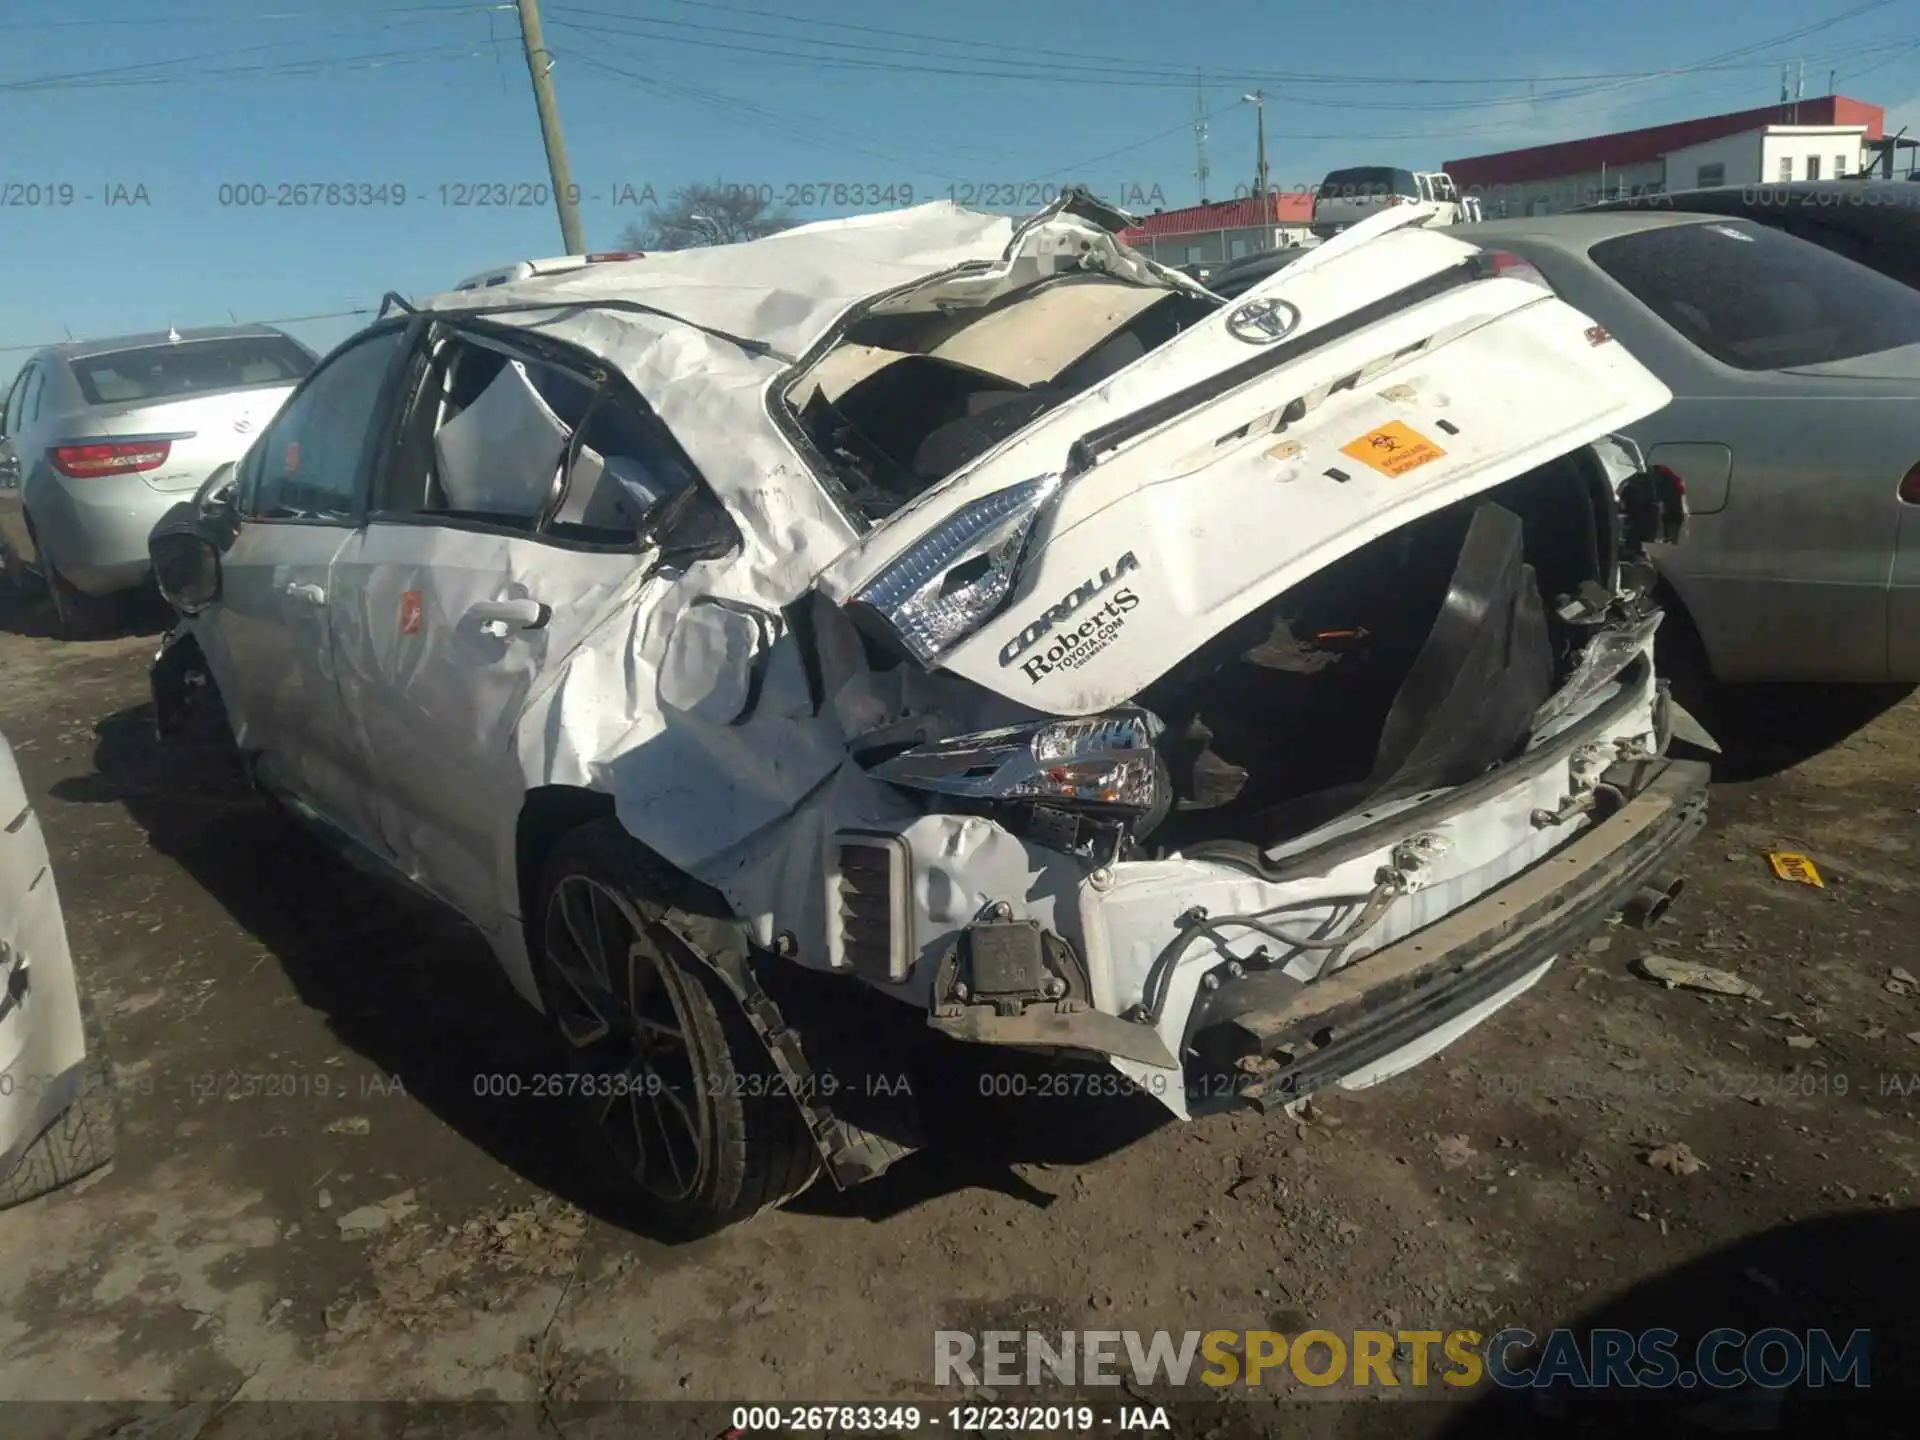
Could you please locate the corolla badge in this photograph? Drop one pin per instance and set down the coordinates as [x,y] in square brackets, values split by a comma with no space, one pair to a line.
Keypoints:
[1261,322]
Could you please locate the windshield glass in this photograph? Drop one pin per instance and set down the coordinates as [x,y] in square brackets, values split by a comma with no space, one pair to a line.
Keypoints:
[1757,299]
[190,367]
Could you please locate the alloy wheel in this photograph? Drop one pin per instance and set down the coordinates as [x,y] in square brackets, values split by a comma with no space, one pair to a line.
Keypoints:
[624,1011]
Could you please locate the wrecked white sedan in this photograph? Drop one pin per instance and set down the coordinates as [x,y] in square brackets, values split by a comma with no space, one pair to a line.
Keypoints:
[1250,697]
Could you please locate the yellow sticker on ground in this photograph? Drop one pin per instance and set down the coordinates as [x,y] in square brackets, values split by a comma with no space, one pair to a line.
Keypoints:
[1790,866]
[1393,449]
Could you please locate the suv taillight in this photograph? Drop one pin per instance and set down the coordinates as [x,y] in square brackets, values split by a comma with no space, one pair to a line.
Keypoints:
[1910,486]
[110,457]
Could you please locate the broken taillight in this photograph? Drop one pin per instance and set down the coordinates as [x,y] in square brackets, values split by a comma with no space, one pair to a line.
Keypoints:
[1504,264]
[1910,486]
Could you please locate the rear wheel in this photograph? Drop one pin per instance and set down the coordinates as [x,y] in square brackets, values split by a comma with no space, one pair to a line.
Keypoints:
[1680,657]
[80,1141]
[673,1090]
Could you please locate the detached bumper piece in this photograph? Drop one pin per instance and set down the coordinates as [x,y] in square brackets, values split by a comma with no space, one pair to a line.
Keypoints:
[1337,1025]
[1008,982]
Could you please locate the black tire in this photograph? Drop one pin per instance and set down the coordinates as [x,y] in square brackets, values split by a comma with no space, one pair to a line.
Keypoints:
[82,1138]
[1680,657]
[78,615]
[712,1081]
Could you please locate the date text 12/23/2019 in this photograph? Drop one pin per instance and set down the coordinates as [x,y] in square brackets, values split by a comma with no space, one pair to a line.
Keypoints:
[784,195]
[970,1419]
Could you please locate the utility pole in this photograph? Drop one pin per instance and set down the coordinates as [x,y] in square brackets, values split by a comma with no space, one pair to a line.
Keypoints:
[1258,99]
[1201,169]
[540,67]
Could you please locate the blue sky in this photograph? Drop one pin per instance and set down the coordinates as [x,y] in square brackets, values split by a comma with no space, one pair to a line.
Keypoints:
[164,102]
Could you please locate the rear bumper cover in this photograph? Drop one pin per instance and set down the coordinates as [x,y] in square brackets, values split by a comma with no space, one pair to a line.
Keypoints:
[1386,1002]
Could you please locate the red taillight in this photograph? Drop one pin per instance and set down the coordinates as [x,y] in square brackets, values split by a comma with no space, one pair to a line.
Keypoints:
[1505,264]
[1910,486]
[600,255]
[110,457]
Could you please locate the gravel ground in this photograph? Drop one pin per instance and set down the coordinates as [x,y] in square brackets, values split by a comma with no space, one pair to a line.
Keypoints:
[374,1229]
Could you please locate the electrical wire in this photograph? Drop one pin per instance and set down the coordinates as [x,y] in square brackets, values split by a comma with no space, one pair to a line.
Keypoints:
[1139,71]
[1116,72]
[176,22]
[172,69]
[276,320]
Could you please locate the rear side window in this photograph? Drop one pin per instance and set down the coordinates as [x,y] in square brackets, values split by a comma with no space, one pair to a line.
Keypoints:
[1368,181]
[190,367]
[1757,299]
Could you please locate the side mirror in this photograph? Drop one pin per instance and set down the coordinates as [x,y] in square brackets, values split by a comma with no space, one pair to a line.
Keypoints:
[185,550]
[688,527]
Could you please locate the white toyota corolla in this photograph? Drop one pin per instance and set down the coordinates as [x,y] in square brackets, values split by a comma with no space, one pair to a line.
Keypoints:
[1248,697]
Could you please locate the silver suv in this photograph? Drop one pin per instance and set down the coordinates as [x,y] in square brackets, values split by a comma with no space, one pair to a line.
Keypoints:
[101,436]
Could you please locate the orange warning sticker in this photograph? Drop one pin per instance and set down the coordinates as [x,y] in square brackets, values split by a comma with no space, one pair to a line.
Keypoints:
[1393,449]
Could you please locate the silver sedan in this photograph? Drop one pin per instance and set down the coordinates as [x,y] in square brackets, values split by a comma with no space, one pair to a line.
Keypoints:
[1795,425]
[101,437]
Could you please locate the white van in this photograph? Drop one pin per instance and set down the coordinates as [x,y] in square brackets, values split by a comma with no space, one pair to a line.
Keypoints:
[1346,197]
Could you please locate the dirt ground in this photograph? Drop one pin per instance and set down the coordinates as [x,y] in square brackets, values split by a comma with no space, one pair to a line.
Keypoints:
[230,1251]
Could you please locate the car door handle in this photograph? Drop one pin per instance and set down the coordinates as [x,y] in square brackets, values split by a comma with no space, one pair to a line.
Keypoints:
[310,594]
[511,614]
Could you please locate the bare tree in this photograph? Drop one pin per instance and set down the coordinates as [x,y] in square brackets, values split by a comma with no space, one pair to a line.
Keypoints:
[706,215]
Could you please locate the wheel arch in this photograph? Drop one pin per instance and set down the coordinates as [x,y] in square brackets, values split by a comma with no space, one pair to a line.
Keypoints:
[549,813]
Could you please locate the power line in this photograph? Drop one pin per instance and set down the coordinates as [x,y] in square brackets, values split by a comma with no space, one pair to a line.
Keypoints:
[170,67]
[178,22]
[377,61]
[1111,70]
[277,320]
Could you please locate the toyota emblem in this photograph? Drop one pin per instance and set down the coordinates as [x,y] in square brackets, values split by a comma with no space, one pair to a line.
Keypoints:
[1261,322]
[242,425]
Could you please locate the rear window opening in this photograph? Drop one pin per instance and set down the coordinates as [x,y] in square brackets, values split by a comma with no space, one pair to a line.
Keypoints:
[190,367]
[1411,665]
[1756,298]
[907,399]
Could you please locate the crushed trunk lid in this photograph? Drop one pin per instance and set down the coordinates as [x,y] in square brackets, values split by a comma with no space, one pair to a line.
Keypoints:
[1391,373]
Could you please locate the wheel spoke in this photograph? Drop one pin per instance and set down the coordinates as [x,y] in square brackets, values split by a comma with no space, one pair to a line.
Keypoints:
[635,1004]
[588,943]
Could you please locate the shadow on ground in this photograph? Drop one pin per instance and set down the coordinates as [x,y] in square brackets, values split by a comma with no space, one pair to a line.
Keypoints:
[27,610]
[1840,1274]
[416,992]
[1765,729]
